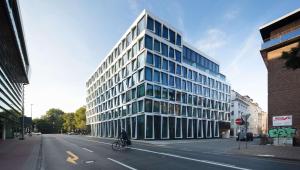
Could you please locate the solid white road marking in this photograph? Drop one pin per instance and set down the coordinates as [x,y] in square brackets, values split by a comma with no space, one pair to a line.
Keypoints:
[87,150]
[88,162]
[181,157]
[120,163]
[266,155]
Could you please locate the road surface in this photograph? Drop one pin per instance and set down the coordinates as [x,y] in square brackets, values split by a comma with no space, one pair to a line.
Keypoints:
[81,152]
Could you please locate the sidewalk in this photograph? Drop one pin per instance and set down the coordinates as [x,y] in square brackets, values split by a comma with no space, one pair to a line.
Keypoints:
[18,154]
[279,152]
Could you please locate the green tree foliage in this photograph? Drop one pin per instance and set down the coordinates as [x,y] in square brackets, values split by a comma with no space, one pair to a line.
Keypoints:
[69,122]
[55,120]
[80,118]
[292,58]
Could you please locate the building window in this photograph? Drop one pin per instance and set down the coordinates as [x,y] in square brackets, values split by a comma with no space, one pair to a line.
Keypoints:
[172,95]
[156,77]
[141,75]
[177,110]
[172,67]
[156,107]
[165,64]
[134,108]
[178,40]
[148,42]
[141,44]
[134,33]
[164,108]
[178,83]
[178,96]
[178,70]
[165,93]
[148,105]
[164,78]
[157,28]
[141,60]
[148,74]
[150,23]
[141,90]
[165,32]
[149,59]
[172,36]
[164,49]
[157,91]
[141,106]
[184,72]
[157,61]
[171,81]
[171,52]
[178,55]
[156,45]
[141,25]
[190,74]
[149,90]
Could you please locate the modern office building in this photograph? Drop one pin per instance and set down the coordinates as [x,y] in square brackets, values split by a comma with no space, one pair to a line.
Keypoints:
[282,36]
[156,86]
[14,68]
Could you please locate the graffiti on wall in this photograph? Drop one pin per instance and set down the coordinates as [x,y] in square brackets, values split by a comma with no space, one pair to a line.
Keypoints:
[284,132]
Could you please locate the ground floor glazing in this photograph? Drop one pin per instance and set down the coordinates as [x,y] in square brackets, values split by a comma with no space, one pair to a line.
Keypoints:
[149,126]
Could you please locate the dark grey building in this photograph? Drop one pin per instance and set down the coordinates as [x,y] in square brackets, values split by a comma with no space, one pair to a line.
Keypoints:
[14,68]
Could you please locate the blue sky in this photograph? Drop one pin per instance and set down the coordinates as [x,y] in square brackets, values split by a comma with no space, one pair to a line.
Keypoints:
[67,39]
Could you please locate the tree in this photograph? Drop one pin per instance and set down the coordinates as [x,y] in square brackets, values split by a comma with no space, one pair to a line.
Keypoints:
[292,58]
[80,118]
[69,122]
[55,118]
[43,125]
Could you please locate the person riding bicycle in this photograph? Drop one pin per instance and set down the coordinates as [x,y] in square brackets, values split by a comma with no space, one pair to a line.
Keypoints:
[123,136]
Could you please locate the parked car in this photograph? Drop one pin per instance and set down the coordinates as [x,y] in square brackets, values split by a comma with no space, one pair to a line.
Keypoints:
[244,137]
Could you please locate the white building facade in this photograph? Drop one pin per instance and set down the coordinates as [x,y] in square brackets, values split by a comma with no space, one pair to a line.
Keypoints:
[242,106]
[156,86]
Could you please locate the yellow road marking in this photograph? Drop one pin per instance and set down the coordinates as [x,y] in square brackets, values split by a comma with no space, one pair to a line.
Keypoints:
[72,157]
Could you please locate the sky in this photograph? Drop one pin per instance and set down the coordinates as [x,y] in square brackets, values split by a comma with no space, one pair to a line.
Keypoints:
[67,39]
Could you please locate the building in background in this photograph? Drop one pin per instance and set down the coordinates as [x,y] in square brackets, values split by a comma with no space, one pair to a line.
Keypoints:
[242,106]
[239,107]
[282,36]
[156,86]
[14,68]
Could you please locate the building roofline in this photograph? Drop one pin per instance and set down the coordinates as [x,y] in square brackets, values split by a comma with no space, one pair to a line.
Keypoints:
[278,19]
[185,43]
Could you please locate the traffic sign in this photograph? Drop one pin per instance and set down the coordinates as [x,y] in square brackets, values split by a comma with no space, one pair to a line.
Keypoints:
[239,121]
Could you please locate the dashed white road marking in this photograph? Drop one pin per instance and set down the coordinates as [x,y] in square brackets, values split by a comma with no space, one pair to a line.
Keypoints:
[87,150]
[181,157]
[120,163]
[266,155]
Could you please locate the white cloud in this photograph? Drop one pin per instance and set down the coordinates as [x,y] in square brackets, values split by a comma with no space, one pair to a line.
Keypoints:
[231,14]
[213,40]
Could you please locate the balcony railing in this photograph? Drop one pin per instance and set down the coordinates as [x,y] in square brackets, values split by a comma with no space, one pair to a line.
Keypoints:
[281,39]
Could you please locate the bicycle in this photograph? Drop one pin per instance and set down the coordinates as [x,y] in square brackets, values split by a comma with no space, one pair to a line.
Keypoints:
[119,144]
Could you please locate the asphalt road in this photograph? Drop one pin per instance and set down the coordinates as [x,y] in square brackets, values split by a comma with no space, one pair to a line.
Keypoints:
[81,152]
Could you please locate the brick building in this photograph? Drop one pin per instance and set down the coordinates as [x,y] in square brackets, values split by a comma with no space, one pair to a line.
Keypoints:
[279,36]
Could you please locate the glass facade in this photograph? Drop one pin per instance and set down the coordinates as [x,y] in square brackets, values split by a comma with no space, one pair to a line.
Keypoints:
[173,100]
[14,68]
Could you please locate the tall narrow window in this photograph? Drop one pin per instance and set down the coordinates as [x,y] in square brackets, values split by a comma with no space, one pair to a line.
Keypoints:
[148,74]
[165,32]
[148,42]
[150,24]
[157,28]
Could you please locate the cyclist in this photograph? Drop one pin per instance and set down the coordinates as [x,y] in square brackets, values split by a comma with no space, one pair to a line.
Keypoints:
[123,136]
